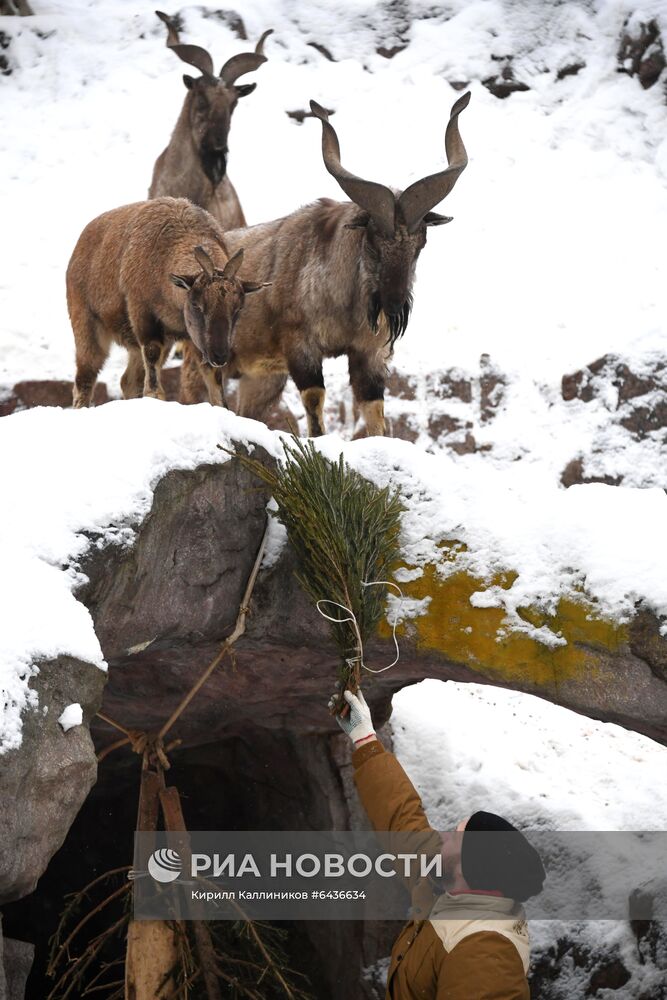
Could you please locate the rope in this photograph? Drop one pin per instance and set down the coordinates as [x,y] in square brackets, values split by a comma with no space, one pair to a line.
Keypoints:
[153,743]
[359,658]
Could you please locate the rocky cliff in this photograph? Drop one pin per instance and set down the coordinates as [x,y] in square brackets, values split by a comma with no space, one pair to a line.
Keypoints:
[259,732]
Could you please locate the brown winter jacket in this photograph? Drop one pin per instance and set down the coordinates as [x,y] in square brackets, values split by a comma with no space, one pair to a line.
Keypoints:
[483,965]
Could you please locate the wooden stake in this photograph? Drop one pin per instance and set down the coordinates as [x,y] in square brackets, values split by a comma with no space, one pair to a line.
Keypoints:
[174,821]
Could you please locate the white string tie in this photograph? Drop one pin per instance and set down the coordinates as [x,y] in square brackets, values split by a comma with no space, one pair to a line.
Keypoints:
[351,617]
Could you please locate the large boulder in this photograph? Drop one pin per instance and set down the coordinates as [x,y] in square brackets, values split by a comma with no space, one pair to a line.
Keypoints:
[259,732]
[162,605]
[161,609]
[48,777]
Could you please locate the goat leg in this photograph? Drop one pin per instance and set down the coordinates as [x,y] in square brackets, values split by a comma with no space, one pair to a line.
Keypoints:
[214,384]
[307,374]
[153,349]
[131,382]
[373,413]
[92,350]
[367,377]
[313,401]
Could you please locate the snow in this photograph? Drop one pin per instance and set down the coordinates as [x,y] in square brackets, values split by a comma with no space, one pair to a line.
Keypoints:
[550,262]
[81,479]
[470,746]
[72,716]
[276,539]
[76,476]
[559,542]
[555,257]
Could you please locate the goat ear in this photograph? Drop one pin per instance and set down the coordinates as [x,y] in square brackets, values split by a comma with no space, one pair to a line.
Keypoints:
[433,219]
[360,221]
[189,81]
[254,286]
[183,281]
[245,89]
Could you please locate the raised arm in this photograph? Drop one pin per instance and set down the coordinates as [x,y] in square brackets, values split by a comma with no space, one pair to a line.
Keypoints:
[390,799]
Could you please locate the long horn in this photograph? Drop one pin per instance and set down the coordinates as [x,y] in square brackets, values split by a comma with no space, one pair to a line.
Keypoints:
[376,199]
[425,194]
[204,261]
[193,55]
[259,48]
[245,62]
[233,264]
[172,28]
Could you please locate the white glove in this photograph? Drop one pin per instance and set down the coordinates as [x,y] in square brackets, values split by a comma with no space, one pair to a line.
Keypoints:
[358,725]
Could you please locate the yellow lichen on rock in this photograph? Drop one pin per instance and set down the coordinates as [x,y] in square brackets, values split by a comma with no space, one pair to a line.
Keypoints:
[482,639]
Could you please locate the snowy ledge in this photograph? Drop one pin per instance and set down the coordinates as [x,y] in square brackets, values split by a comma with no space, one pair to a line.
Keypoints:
[489,560]
[71,475]
[525,545]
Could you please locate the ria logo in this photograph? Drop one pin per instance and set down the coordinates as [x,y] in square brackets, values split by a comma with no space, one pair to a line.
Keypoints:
[165,865]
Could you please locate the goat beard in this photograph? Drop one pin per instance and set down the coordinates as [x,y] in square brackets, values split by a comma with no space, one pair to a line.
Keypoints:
[214,164]
[397,324]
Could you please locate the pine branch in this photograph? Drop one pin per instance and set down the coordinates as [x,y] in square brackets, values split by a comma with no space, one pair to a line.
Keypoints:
[344,532]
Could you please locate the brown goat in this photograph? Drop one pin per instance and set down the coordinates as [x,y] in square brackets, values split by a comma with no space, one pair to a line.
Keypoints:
[194,164]
[144,275]
[342,276]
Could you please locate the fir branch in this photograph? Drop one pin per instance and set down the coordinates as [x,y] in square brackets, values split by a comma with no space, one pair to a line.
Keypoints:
[344,532]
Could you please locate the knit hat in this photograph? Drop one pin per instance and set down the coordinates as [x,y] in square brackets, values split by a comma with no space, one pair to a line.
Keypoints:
[505,862]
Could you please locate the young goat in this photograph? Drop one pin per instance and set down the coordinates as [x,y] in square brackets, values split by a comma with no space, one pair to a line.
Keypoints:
[194,164]
[342,277]
[144,275]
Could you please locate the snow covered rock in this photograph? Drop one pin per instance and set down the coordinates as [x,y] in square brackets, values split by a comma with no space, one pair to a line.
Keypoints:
[146,554]
[547,620]
[641,52]
[48,778]
[145,547]
[43,392]
[630,400]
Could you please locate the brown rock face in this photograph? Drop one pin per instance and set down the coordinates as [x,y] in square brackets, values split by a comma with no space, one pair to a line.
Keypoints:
[592,381]
[570,69]
[641,52]
[438,407]
[45,392]
[648,644]
[492,385]
[504,83]
[259,748]
[573,474]
[636,400]
[161,609]
[440,417]
[186,578]
[5,68]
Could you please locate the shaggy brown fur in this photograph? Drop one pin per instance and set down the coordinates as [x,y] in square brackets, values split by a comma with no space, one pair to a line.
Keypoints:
[341,279]
[194,164]
[317,307]
[144,275]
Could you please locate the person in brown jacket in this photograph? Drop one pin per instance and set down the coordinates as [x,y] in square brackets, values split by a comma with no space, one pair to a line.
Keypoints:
[468,937]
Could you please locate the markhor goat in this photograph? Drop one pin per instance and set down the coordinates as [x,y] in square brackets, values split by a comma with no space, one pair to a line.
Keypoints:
[144,275]
[194,164]
[341,277]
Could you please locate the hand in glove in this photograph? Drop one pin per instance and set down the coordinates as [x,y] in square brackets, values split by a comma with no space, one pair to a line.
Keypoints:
[358,724]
